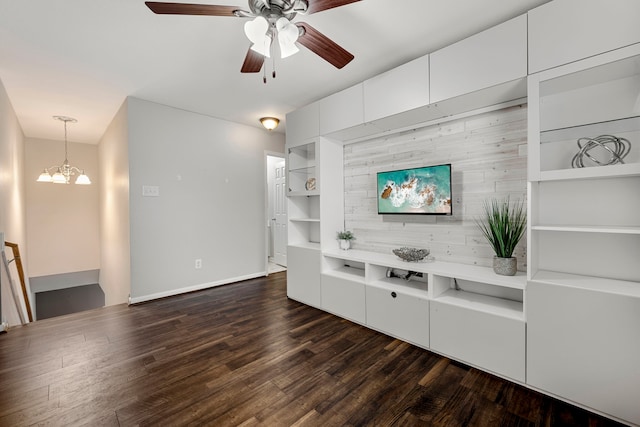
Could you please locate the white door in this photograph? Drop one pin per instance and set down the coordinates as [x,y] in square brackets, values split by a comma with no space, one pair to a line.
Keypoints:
[280,223]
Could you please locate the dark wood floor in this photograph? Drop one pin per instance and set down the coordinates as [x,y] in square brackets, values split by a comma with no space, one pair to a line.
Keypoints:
[243,354]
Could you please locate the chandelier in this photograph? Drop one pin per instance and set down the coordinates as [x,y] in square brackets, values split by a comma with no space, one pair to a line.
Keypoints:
[65,171]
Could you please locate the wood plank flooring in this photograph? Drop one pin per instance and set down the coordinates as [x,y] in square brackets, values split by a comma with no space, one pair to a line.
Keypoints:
[244,354]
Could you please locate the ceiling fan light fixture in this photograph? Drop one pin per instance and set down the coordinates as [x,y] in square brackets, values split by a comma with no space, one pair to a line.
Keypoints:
[269,123]
[263,47]
[257,31]
[288,34]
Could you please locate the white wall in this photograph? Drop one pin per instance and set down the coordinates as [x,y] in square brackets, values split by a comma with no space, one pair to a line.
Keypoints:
[12,199]
[488,157]
[115,267]
[62,220]
[210,175]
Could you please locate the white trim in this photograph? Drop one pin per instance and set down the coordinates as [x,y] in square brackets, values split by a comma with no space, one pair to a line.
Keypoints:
[267,154]
[173,292]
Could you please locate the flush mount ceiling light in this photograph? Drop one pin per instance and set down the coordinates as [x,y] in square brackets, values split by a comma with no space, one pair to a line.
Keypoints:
[272,19]
[269,123]
[65,171]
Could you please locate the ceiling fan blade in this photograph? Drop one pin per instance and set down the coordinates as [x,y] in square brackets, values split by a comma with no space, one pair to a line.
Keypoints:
[190,9]
[323,46]
[320,5]
[252,62]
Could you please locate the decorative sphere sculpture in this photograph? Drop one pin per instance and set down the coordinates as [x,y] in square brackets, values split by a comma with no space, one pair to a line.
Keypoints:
[614,148]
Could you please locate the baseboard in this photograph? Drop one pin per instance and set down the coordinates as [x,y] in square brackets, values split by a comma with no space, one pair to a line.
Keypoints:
[173,292]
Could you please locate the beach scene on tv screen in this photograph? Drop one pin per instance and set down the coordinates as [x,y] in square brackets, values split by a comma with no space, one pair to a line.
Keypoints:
[424,190]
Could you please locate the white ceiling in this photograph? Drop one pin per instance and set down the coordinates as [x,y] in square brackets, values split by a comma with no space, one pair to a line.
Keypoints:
[81,58]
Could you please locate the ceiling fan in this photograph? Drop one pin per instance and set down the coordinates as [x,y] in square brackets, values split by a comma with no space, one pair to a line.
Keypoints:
[271,20]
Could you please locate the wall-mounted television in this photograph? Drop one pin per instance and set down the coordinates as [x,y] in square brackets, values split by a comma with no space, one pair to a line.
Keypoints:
[418,191]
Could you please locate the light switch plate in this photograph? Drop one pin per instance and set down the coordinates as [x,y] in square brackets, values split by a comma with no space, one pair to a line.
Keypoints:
[150,191]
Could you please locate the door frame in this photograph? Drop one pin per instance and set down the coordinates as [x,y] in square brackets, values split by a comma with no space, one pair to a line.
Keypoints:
[267,218]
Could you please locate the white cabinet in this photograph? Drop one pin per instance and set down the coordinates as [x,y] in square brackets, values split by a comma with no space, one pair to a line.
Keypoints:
[303,275]
[315,212]
[342,110]
[584,220]
[489,58]
[465,312]
[563,31]
[478,317]
[582,343]
[303,124]
[398,90]
[583,296]
[343,289]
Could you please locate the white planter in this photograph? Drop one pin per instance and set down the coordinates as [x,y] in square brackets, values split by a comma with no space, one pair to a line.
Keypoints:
[344,244]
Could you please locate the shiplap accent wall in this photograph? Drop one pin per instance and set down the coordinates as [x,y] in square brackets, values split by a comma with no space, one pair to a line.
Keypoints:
[488,154]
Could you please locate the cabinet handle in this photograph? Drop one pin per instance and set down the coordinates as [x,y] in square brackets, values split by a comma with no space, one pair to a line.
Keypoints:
[393,294]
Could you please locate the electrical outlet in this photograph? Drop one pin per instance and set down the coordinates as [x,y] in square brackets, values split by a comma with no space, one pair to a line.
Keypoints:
[198,263]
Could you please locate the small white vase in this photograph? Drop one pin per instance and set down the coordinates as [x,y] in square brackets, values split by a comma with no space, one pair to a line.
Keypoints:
[344,244]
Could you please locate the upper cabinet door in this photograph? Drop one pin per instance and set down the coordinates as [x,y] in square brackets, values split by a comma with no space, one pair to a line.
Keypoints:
[342,110]
[398,90]
[486,59]
[564,31]
[302,124]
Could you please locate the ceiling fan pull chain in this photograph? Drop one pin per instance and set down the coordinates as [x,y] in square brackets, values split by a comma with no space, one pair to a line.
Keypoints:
[273,73]
[264,75]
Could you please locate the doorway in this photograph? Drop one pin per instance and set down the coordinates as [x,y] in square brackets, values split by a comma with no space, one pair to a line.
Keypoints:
[276,213]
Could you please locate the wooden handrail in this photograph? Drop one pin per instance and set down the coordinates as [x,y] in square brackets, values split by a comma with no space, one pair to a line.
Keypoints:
[18,260]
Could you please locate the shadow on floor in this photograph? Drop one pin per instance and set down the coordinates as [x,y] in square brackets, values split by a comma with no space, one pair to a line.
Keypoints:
[69,300]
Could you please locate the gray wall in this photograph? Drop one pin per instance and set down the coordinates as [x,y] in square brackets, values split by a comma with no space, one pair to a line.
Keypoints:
[488,156]
[211,179]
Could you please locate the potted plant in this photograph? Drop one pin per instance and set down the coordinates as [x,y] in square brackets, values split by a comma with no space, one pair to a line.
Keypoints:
[345,238]
[503,225]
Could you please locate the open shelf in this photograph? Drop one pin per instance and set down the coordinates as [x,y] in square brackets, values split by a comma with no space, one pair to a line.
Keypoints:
[623,125]
[304,219]
[588,229]
[484,303]
[306,245]
[628,169]
[600,284]
[303,169]
[346,272]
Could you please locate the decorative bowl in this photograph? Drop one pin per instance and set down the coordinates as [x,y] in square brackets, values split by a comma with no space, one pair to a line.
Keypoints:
[411,254]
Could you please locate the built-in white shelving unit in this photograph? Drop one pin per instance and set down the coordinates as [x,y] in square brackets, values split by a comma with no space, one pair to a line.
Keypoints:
[584,234]
[487,309]
[312,213]
[567,326]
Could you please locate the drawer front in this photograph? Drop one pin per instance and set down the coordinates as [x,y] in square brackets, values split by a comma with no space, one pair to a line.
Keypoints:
[343,297]
[485,340]
[403,316]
